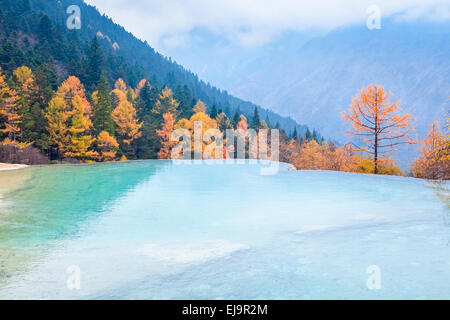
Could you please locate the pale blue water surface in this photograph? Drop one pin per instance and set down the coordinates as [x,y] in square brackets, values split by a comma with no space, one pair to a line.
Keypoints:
[157,230]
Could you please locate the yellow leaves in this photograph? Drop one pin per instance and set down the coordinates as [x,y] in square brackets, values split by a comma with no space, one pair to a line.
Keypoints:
[199,107]
[140,86]
[22,74]
[434,159]
[165,135]
[80,121]
[69,89]
[20,145]
[125,118]
[166,104]
[120,85]
[10,108]
[242,124]
[69,122]
[378,122]
[314,156]
[108,146]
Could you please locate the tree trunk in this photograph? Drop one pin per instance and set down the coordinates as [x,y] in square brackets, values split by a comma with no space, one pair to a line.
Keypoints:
[375,158]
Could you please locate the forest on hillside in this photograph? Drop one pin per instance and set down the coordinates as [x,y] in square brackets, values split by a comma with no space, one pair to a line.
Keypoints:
[137,123]
[34,34]
[66,98]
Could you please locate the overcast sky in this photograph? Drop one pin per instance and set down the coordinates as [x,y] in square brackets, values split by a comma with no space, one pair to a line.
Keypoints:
[166,23]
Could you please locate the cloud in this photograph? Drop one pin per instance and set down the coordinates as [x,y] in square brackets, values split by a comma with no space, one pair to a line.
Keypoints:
[252,22]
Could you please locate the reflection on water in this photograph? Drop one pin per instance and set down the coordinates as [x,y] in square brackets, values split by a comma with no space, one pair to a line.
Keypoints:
[156,230]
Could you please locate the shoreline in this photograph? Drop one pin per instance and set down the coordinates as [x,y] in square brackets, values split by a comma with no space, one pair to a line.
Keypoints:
[10,166]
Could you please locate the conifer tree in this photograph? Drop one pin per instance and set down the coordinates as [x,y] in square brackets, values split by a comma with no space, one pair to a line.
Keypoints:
[213,113]
[102,108]
[256,121]
[95,63]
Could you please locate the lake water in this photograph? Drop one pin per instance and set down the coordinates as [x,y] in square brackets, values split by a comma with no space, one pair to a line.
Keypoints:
[156,230]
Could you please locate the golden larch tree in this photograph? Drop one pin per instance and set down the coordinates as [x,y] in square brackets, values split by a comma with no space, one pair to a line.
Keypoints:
[108,146]
[10,108]
[165,136]
[80,140]
[199,107]
[57,126]
[378,122]
[127,123]
[434,156]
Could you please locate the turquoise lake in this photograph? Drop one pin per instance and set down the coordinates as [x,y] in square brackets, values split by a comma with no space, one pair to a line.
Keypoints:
[159,230]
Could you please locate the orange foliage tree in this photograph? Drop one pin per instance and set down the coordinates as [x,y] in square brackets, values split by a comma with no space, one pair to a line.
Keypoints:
[434,159]
[378,122]
[165,136]
[126,119]
[107,145]
[10,108]
[68,121]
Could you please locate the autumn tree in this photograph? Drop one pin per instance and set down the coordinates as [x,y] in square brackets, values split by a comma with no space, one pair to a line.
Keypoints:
[107,146]
[69,123]
[223,122]
[166,104]
[57,127]
[378,122]
[127,123]
[10,109]
[165,135]
[242,124]
[80,138]
[434,159]
[31,109]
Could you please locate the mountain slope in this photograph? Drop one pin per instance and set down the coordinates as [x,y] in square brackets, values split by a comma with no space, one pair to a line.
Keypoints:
[127,56]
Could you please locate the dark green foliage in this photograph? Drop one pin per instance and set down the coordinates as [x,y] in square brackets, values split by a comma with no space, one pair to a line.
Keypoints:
[236,119]
[256,121]
[213,112]
[94,66]
[102,119]
[186,100]
[315,136]
[308,135]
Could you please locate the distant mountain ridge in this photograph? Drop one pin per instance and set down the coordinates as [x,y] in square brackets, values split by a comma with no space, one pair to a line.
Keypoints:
[314,82]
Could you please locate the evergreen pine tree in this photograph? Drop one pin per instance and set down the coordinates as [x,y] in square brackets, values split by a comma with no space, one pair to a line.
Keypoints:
[213,113]
[236,119]
[256,121]
[102,109]
[315,136]
[95,64]
[308,135]
[295,134]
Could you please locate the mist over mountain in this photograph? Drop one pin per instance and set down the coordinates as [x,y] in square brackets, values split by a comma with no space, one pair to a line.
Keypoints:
[313,80]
